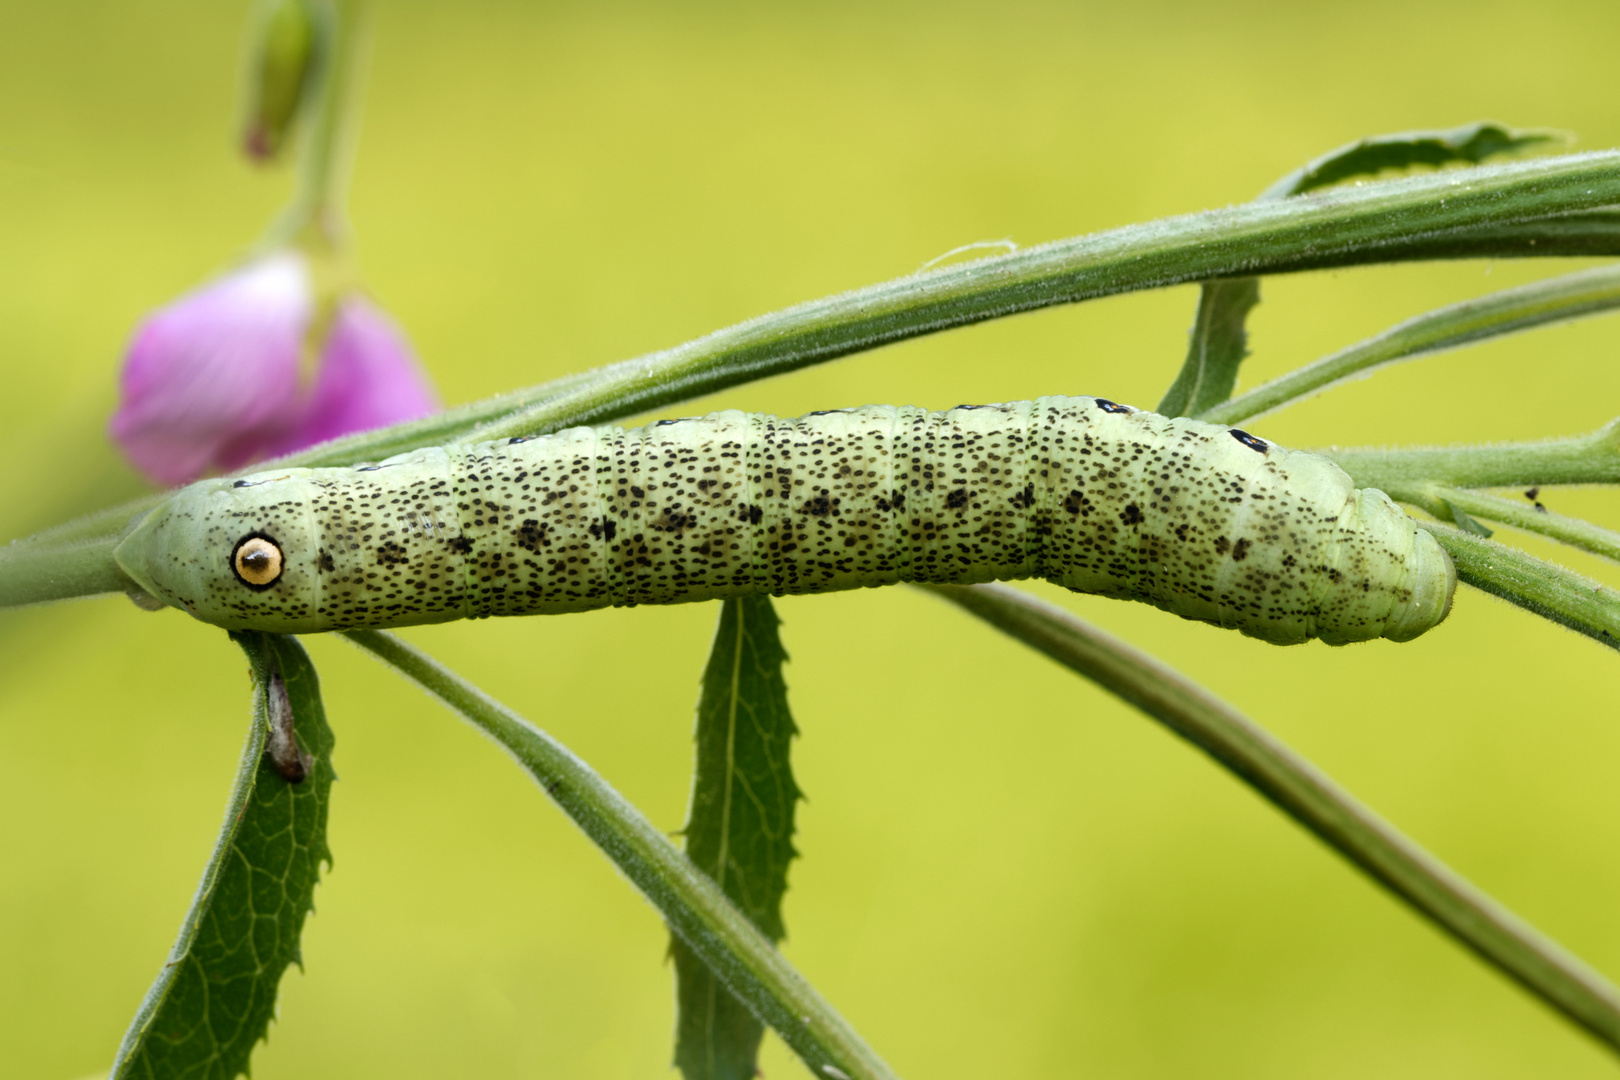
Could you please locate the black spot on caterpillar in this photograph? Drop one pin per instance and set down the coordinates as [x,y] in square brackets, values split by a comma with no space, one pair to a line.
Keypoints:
[1249,440]
[1204,521]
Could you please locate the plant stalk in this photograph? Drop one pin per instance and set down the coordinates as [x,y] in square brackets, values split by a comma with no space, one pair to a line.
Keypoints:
[1550,591]
[1559,299]
[1308,796]
[33,575]
[1583,459]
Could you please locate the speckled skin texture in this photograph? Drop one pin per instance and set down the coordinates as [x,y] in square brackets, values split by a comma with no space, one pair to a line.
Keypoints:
[1201,520]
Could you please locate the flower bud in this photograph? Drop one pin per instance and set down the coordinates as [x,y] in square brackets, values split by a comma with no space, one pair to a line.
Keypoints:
[284,53]
[214,380]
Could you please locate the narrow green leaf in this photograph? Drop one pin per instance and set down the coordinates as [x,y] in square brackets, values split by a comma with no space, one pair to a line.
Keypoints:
[216,995]
[1535,518]
[1305,794]
[740,828]
[1219,339]
[1471,143]
[1461,519]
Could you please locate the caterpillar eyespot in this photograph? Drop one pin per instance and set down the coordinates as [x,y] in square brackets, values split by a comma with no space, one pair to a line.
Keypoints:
[1205,521]
[257,561]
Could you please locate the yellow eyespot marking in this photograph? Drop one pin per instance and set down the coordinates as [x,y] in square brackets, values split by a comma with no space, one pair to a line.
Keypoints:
[257,561]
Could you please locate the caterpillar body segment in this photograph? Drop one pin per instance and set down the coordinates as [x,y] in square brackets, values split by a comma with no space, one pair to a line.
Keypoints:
[1205,521]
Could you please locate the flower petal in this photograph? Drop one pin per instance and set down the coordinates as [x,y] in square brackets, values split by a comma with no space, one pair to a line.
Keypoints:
[212,378]
[369,378]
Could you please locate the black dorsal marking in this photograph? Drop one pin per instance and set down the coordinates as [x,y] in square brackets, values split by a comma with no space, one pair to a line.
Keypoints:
[519,438]
[1250,441]
[1112,406]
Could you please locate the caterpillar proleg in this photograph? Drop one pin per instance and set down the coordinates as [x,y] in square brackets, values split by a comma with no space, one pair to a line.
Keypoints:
[1205,521]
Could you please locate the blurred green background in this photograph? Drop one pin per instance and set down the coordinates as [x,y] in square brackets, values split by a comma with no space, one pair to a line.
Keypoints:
[1004,872]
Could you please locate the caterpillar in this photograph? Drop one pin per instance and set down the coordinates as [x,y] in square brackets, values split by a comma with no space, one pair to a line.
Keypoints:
[1207,522]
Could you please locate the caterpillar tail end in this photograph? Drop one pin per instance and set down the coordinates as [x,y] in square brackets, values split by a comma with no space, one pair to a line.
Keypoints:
[1433,579]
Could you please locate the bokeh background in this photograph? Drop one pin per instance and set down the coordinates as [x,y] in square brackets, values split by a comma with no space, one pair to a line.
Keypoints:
[1004,872]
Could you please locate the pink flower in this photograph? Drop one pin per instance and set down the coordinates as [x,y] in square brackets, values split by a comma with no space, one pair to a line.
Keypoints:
[212,381]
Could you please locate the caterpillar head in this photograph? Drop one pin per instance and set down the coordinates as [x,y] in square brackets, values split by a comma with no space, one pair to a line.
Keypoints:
[236,553]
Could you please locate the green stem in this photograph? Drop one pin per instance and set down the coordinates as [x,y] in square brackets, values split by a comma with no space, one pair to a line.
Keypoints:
[1300,790]
[101,525]
[1584,459]
[1557,300]
[318,210]
[1550,591]
[1589,233]
[1356,225]
[1421,217]
[34,574]
[693,905]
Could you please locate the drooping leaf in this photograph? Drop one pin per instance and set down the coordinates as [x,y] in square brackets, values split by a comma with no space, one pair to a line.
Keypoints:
[1219,341]
[1217,344]
[740,827]
[1471,143]
[216,994]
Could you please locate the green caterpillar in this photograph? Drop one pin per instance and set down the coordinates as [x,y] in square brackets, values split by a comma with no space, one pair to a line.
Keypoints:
[1208,522]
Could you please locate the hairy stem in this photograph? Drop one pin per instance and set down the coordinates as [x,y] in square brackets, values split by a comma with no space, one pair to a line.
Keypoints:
[693,905]
[1584,459]
[1440,500]
[1335,229]
[1527,206]
[1538,586]
[1560,299]
[32,575]
[1301,791]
